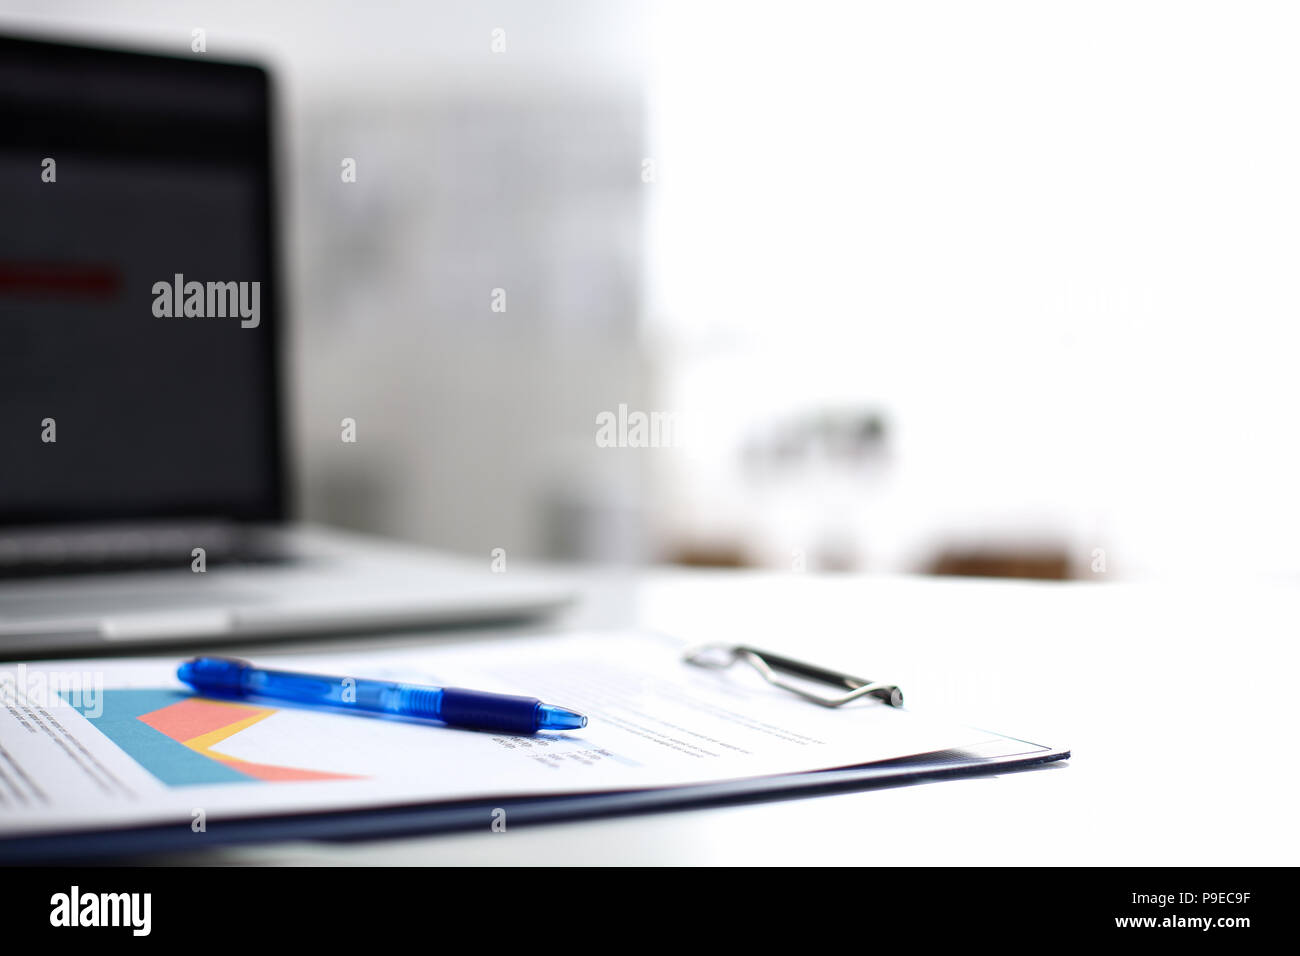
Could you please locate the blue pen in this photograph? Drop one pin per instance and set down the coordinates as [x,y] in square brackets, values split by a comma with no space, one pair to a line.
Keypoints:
[228,677]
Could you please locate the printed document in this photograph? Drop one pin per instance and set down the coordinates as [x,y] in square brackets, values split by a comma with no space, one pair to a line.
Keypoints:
[121,742]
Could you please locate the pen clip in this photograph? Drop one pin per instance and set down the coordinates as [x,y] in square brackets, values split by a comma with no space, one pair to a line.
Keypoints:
[770,666]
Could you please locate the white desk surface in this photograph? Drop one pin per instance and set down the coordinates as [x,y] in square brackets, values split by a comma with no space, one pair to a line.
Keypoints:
[1178,703]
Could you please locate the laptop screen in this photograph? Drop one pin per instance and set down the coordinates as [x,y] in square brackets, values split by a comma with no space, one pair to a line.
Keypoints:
[137,322]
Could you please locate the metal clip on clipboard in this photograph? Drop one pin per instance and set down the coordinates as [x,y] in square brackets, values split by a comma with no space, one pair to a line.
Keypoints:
[770,666]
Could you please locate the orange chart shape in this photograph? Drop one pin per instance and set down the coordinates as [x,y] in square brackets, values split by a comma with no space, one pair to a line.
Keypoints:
[201,724]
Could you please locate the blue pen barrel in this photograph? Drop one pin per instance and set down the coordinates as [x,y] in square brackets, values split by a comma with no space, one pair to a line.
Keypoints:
[307,688]
[457,706]
[229,677]
[381,697]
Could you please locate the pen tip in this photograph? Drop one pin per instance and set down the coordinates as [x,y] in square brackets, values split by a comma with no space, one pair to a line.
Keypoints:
[550,717]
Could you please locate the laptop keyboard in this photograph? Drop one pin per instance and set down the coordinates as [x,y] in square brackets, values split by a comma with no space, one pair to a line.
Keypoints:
[55,553]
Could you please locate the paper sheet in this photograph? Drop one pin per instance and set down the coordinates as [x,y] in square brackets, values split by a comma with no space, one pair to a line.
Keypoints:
[100,743]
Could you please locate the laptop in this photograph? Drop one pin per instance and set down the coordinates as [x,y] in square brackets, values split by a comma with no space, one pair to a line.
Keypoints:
[142,467]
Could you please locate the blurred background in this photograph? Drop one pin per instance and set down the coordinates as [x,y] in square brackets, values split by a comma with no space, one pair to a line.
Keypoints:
[969,288]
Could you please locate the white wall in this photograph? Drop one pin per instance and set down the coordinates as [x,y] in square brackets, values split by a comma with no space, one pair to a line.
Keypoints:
[1056,242]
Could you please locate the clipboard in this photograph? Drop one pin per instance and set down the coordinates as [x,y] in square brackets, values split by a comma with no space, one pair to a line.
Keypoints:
[461,816]
[999,755]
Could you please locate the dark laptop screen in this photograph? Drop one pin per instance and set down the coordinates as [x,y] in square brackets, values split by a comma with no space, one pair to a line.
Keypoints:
[136,290]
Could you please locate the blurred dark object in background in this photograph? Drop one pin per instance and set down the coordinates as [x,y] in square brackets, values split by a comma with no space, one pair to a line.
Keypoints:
[1043,563]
